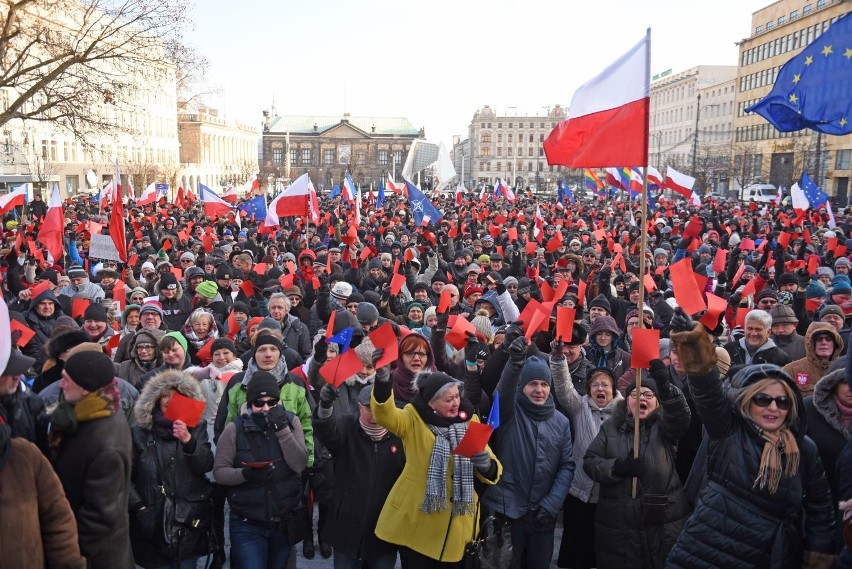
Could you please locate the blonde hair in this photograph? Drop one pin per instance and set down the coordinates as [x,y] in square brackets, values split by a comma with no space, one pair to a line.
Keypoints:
[266,332]
[748,392]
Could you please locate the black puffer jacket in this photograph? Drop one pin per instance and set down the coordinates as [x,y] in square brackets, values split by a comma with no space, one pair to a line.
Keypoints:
[371,469]
[768,353]
[826,428]
[735,524]
[623,540]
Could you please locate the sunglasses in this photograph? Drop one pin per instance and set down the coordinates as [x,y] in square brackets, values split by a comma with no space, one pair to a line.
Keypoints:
[264,403]
[763,400]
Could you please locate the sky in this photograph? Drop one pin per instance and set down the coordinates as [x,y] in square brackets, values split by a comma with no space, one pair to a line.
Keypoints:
[438,62]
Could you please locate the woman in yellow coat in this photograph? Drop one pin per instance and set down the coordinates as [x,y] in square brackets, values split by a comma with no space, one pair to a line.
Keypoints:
[431,508]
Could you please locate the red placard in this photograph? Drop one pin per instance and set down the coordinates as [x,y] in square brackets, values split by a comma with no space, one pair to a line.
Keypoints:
[741,314]
[177,272]
[341,368]
[646,347]
[749,288]
[649,283]
[813,264]
[683,281]
[693,228]
[26,333]
[260,268]
[444,302]
[457,336]
[474,440]
[720,260]
[79,306]
[530,247]
[247,287]
[385,338]
[513,233]
[365,254]
[397,280]
[565,323]
[715,307]
[186,409]
[747,244]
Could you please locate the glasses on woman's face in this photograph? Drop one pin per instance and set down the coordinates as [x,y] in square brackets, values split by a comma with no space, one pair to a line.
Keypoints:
[144,347]
[646,395]
[412,355]
[261,403]
[603,385]
[763,400]
[185,261]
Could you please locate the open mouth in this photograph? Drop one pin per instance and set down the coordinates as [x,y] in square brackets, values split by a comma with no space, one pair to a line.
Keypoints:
[600,397]
[643,407]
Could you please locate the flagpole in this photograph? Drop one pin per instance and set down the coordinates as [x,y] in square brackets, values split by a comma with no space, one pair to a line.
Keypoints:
[643,245]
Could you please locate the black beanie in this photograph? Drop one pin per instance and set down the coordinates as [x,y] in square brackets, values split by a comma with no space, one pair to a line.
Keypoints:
[95,312]
[240,306]
[268,339]
[168,280]
[223,344]
[262,384]
[90,370]
[428,384]
[601,302]
[648,382]
[786,279]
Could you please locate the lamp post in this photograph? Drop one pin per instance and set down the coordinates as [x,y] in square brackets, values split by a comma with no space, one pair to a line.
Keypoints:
[695,135]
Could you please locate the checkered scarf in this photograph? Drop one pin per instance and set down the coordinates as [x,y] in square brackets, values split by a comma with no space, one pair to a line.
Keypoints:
[435,500]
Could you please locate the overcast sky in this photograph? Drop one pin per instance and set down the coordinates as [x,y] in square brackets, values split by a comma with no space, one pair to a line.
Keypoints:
[437,62]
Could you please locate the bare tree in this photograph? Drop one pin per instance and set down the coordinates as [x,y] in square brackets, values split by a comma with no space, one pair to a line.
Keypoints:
[81,64]
[168,172]
[712,164]
[746,165]
[245,168]
[141,173]
[42,170]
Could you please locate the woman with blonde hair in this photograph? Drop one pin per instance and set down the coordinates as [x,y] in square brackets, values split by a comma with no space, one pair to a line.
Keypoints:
[766,501]
[200,327]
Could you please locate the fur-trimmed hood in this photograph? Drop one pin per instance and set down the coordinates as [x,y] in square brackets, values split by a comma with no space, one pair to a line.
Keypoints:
[160,385]
[159,292]
[823,400]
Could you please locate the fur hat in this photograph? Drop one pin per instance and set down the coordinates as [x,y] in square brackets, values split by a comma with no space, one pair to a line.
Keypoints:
[64,341]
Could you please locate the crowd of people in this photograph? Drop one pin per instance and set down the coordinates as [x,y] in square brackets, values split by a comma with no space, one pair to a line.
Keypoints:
[150,405]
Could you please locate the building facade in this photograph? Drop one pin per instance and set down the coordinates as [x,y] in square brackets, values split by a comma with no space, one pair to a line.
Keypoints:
[761,153]
[214,151]
[370,148]
[460,155]
[691,123]
[510,147]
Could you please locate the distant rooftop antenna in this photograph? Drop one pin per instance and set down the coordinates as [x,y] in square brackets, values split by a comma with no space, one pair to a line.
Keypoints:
[272,111]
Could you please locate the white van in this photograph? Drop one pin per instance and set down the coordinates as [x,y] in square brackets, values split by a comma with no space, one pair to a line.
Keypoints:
[761,193]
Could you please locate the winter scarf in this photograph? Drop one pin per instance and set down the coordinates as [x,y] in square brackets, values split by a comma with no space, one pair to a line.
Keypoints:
[193,338]
[162,427]
[279,371]
[99,404]
[375,432]
[777,445]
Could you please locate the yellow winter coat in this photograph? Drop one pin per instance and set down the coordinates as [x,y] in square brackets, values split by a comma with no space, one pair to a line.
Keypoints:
[437,536]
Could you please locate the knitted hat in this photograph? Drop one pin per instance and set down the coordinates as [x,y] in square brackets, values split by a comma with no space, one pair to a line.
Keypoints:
[242,308]
[830,309]
[429,384]
[839,262]
[523,286]
[783,314]
[365,351]
[534,368]
[601,301]
[147,266]
[439,277]
[821,271]
[193,272]
[95,312]
[76,272]
[815,290]
[355,298]
[660,253]
[509,281]
[188,256]
[483,326]
[179,338]
[90,370]
[151,307]
[168,281]
[366,313]
[127,310]
[786,279]
[223,272]
[841,287]
[364,395]
[705,249]
[472,288]
[223,344]
[341,290]
[207,289]
[268,339]
[648,382]
[765,293]
[262,384]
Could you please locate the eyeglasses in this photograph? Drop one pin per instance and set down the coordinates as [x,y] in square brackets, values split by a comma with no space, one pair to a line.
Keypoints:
[600,386]
[763,400]
[185,260]
[421,355]
[646,395]
[146,347]
[260,404]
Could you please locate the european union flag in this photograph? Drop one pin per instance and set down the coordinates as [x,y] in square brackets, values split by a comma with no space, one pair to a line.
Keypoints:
[816,197]
[421,208]
[814,89]
[566,192]
[560,195]
[342,339]
[335,191]
[254,207]
[494,414]
[381,199]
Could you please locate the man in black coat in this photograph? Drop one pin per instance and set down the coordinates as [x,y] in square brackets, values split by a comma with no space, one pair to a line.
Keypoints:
[93,458]
[23,409]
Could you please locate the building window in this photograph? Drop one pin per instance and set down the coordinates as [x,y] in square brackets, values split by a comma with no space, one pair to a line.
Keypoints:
[54,150]
[509,151]
[489,125]
[482,166]
[510,136]
[383,157]
[72,184]
[510,126]
[843,159]
[328,156]
[294,156]
[499,125]
[306,157]
[499,137]
[770,25]
[361,157]
[486,137]
[806,10]
[397,156]
[820,4]
[781,20]
[793,15]
[530,166]
[277,155]
[482,125]
[499,151]
[499,166]
[758,30]
[530,151]
[485,151]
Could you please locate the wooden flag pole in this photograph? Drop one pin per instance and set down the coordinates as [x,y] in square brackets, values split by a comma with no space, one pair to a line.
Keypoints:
[643,245]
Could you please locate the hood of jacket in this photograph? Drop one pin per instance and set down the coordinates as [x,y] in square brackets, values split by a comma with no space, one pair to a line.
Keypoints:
[160,385]
[823,399]
[179,294]
[746,376]
[810,349]
[47,295]
[578,261]
[491,298]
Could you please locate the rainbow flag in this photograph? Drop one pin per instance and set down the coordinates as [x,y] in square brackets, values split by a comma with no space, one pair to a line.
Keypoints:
[593,183]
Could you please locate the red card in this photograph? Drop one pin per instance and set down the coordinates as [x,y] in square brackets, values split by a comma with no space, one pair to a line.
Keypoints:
[26,333]
[444,302]
[831,243]
[683,281]
[749,288]
[741,314]
[561,289]
[397,280]
[646,347]
[260,268]
[720,260]
[539,318]
[112,343]
[565,322]
[177,272]
[186,409]
[167,245]
[205,353]
[457,336]
[581,293]
[715,307]
[207,243]
[513,233]
[408,255]
[599,234]
[693,228]
[554,243]
[530,247]
[182,236]
[79,306]
[247,287]
[747,244]
[615,261]
[738,274]
[474,440]
[341,368]
[813,264]
[226,377]
[385,338]
[547,291]
[286,281]
[840,251]
[365,254]
[232,326]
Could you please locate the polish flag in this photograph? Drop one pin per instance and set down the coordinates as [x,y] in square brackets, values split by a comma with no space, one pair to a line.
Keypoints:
[313,204]
[293,201]
[680,183]
[13,199]
[252,185]
[348,188]
[50,235]
[459,194]
[609,122]
[213,205]
[654,177]
[148,196]
[504,190]
[539,223]
[230,194]
[116,217]
[800,202]
[395,188]
[695,199]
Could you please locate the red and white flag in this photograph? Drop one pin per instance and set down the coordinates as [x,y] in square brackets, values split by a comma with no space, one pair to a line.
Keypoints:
[116,217]
[213,204]
[13,199]
[230,194]
[294,201]
[459,194]
[539,223]
[395,188]
[252,185]
[680,183]
[51,232]
[609,116]
[148,196]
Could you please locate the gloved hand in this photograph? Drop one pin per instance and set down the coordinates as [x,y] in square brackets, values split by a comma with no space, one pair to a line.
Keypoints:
[627,466]
[443,319]
[377,355]
[500,287]
[328,394]
[518,351]
[681,322]
[323,279]
[386,294]
[258,474]
[722,278]
[605,274]
[660,373]
[471,348]
[803,278]
[556,349]
[692,343]
[513,332]
[482,461]
[734,299]
[277,418]
[321,351]
[542,520]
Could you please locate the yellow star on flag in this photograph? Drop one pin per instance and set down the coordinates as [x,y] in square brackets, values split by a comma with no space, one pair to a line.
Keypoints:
[826,51]
[793,98]
[809,59]
[848,53]
[796,78]
[843,122]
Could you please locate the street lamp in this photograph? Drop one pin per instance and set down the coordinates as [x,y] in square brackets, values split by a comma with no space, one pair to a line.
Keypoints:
[695,133]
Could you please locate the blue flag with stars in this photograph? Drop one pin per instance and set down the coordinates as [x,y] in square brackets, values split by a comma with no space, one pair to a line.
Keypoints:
[494,415]
[381,199]
[342,339]
[560,195]
[567,191]
[814,89]
[421,208]
[816,197]
[255,207]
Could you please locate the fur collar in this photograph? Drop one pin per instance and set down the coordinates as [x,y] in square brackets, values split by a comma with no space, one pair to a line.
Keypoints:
[159,385]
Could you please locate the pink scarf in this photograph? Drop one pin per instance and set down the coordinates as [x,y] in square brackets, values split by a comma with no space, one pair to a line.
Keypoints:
[845,412]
